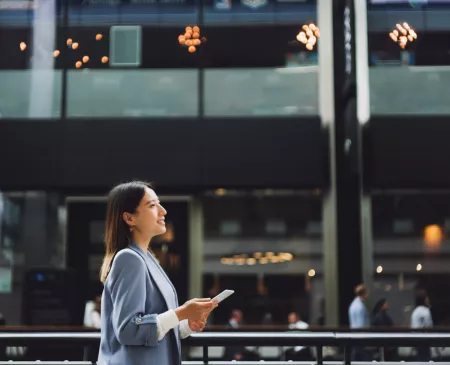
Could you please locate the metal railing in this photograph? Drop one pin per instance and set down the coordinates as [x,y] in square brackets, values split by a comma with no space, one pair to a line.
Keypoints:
[232,363]
[317,340]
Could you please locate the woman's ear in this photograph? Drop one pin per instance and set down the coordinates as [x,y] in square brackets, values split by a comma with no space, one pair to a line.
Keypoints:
[128,218]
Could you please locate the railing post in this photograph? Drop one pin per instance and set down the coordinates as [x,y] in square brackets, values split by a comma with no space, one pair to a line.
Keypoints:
[347,355]
[382,354]
[205,355]
[319,355]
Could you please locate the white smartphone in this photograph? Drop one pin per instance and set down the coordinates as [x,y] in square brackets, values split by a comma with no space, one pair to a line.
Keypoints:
[225,294]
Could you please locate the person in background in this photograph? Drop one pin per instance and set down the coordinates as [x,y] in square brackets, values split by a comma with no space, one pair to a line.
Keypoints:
[295,322]
[421,318]
[380,316]
[382,319]
[95,314]
[236,318]
[297,353]
[357,312]
[359,318]
[235,352]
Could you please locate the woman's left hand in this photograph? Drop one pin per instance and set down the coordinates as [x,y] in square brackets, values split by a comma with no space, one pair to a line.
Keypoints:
[197,326]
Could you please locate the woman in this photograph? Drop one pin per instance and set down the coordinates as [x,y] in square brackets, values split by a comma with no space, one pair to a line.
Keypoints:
[141,321]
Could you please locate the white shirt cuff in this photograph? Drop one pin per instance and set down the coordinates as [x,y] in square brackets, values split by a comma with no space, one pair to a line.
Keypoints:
[185,330]
[165,322]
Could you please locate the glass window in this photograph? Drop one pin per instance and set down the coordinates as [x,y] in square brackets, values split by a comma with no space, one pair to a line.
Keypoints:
[408,55]
[254,63]
[31,80]
[32,229]
[268,248]
[410,252]
[128,62]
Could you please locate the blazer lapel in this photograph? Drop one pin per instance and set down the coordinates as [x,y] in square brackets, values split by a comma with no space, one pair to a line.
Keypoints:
[176,330]
[158,283]
[151,257]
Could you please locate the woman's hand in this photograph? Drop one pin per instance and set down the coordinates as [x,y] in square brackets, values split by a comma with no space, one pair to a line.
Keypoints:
[200,324]
[197,326]
[196,309]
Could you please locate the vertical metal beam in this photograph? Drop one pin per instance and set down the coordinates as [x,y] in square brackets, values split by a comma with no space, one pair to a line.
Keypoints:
[343,202]
[363,115]
[65,59]
[196,250]
[362,63]
[326,109]
[348,155]
[42,61]
[201,68]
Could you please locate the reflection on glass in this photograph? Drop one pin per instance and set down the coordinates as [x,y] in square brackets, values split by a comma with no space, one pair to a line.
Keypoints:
[408,44]
[257,264]
[132,93]
[262,92]
[30,85]
[410,242]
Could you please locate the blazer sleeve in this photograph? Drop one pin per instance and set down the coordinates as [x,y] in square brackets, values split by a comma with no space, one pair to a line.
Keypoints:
[128,291]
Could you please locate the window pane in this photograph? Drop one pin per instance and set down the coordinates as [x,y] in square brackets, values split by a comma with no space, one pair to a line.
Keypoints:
[258,244]
[254,63]
[32,228]
[129,61]
[30,78]
[411,250]
[409,60]
[132,93]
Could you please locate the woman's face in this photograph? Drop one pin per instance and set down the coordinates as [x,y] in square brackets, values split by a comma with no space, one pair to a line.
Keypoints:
[385,306]
[149,217]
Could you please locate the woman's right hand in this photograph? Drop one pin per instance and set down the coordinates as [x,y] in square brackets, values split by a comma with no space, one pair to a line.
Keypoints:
[195,309]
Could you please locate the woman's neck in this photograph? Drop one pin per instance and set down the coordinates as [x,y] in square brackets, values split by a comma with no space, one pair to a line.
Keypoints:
[142,242]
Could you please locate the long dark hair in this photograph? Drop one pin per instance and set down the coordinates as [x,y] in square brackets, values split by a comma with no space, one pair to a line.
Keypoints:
[122,198]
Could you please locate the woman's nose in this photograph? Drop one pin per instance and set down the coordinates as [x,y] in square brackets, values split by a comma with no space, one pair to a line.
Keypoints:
[163,211]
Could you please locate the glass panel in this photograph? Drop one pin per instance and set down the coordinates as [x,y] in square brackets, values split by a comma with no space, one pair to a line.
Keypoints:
[132,93]
[260,243]
[409,62]
[20,93]
[265,91]
[410,245]
[32,228]
[128,61]
[254,63]
[30,81]
[132,12]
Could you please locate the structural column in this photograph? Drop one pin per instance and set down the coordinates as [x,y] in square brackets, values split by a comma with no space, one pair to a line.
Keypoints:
[196,248]
[347,236]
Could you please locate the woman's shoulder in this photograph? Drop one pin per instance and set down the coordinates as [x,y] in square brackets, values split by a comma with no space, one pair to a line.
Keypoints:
[127,257]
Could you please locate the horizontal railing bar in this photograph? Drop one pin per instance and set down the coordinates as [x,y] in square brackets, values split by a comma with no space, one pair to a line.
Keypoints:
[228,363]
[275,339]
[52,335]
[318,339]
[262,339]
[46,362]
[310,363]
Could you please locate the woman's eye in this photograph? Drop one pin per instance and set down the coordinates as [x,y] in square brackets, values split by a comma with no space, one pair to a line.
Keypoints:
[153,205]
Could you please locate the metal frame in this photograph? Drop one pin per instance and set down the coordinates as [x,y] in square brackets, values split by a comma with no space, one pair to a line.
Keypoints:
[326,111]
[311,339]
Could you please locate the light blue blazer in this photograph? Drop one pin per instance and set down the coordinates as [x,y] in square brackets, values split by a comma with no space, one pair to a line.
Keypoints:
[135,292]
